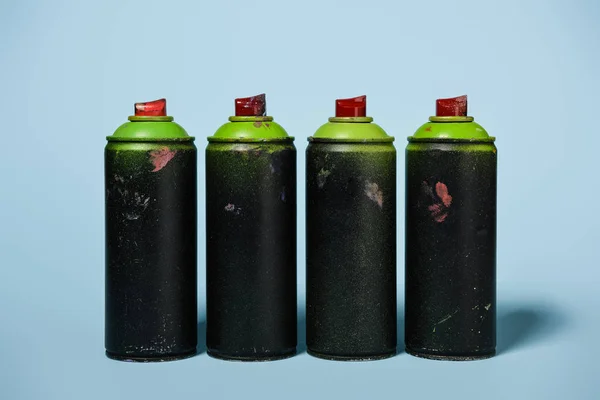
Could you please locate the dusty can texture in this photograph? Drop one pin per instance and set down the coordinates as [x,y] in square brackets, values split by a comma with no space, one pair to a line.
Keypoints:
[451,241]
[251,241]
[351,241]
[150,180]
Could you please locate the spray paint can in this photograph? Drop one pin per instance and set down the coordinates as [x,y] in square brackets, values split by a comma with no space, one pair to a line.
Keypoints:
[150,181]
[351,237]
[451,237]
[251,237]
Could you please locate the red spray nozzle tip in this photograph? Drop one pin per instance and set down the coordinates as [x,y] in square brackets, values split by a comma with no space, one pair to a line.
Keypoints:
[353,107]
[156,108]
[255,106]
[454,107]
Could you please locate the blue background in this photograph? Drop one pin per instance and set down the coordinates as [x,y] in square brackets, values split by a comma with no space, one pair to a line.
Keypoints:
[71,70]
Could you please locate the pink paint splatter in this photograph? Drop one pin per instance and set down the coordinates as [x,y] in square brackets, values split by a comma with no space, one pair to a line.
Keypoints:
[257,124]
[442,191]
[439,210]
[161,157]
[232,208]
[438,214]
[372,191]
[435,208]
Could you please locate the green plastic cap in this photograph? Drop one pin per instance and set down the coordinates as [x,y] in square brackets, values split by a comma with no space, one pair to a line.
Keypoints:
[451,123]
[451,128]
[353,129]
[250,123]
[250,129]
[351,124]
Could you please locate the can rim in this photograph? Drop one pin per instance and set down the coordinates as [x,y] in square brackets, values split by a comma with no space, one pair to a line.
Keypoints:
[412,139]
[363,120]
[251,118]
[145,139]
[150,118]
[465,118]
[389,139]
[283,139]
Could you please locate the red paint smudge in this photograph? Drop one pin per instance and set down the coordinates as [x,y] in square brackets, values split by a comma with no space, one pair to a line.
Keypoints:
[161,157]
[442,191]
[257,124]
[428,129]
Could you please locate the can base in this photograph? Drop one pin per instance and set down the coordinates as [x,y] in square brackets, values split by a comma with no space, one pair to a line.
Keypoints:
[145,359]
[366,357]
[252,358]
[450,357]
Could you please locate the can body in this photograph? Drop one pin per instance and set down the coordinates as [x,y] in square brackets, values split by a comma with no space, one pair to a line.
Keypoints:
[351,250]
[451,249]
[251,250]
[151,244]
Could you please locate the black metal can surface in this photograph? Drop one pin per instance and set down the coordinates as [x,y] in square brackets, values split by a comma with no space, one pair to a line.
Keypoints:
[451,237]
[351,238]
[150,181]
[251,237]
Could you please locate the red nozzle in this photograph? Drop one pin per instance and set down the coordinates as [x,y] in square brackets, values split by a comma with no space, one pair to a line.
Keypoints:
[353,107]
[156,108]
[255,106]
[454,107]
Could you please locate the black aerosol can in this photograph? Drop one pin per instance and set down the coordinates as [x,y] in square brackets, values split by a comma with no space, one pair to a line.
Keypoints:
[351,237]
[251,237]
[451,237]
[151,224]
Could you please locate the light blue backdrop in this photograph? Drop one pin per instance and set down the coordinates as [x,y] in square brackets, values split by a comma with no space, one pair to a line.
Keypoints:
[71,70]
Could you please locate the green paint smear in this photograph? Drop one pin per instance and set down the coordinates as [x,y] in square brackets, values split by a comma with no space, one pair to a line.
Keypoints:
[462,146]
[250,129]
